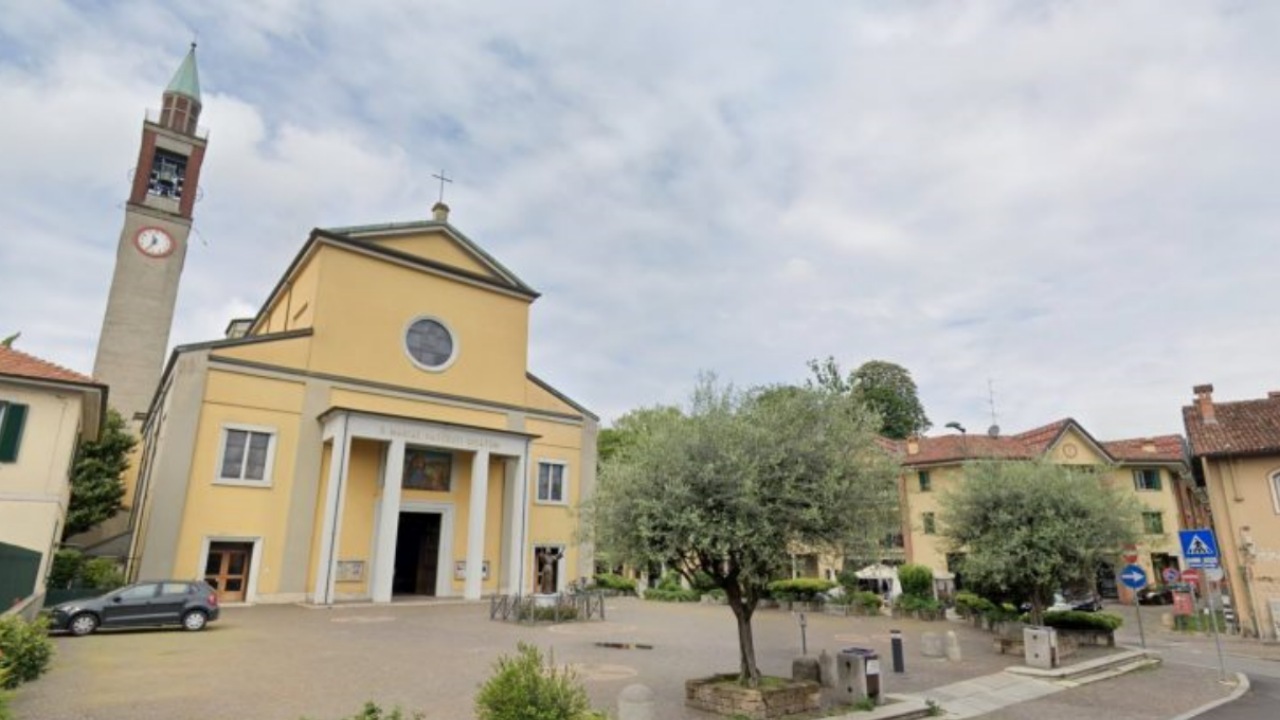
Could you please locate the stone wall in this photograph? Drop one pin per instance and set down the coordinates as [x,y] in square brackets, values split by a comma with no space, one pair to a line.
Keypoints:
[721,694]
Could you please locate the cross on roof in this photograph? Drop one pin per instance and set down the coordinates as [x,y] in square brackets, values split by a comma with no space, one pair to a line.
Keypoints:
[441,177]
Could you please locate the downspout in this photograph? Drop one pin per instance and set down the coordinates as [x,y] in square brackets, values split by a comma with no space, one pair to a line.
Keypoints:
[337,502]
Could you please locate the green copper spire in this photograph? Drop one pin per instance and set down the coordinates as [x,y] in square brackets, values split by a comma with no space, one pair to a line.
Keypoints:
[186,81]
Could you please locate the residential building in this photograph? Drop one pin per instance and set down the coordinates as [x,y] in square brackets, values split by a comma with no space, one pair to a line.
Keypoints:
[1235,452]
[373,431]
[1153,469]
[45,411]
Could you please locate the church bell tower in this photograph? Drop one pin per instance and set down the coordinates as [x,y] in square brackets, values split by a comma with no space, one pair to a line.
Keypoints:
[152,247]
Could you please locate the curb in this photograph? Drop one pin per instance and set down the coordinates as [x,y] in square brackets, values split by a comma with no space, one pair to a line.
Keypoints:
[1242,687]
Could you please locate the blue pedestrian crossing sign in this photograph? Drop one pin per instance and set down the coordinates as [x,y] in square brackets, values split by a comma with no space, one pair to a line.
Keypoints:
[1199,548]
[1133,577]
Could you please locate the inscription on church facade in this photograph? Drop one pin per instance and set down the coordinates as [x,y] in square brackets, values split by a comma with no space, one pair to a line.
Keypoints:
[440,437]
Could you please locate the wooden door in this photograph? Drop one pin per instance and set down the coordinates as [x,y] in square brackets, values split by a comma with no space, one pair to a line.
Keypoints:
[227,570]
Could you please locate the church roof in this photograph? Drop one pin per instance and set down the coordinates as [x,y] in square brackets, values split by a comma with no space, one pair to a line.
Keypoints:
[186,81]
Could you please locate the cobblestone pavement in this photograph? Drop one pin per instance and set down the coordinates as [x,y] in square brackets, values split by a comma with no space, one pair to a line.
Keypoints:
[285,662]
[1157,694]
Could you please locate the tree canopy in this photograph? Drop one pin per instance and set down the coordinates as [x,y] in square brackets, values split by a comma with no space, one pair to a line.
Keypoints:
[735,482]
[1030,528]
[626,429]
[883,387]
[97,488]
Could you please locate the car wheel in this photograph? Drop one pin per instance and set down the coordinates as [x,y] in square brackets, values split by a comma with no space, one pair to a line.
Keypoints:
[83,624]
[195,620]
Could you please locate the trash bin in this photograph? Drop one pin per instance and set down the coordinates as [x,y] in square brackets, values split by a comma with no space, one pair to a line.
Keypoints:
[858,673]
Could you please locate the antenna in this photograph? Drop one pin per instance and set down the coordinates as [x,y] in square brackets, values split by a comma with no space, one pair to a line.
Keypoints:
[994,430]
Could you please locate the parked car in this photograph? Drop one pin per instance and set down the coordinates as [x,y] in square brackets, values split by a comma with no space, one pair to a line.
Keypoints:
[1160,594]
[1084,602]
[191,604]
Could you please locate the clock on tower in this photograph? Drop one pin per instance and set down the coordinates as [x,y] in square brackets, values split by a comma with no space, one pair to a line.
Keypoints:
[152,246]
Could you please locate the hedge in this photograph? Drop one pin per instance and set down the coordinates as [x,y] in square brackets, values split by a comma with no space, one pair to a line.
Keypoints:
[916,580]
[804,589]
[677,595]
[1075,620]
[609,581]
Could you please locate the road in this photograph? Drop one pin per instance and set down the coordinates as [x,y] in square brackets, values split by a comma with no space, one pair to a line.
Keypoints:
[1262,702]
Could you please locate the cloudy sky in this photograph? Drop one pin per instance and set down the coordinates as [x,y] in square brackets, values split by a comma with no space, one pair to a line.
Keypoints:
[1076,200]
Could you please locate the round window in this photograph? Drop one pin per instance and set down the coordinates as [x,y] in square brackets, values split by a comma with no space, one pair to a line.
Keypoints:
[430,343]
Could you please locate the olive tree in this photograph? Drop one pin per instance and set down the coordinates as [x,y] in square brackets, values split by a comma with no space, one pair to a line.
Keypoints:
[732,484]
[1030,528]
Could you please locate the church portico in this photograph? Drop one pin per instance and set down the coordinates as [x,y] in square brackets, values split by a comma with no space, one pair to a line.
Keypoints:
[463,492]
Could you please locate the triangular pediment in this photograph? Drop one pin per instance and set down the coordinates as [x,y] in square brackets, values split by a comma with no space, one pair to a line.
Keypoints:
[437,243]
[1075,446]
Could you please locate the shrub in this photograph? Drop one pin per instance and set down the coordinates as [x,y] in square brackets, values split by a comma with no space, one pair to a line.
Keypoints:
[65,568]
[609,581]
[523,687]
[917,580]
[25,650]
[101,573]
[671,580]
[915,603]
[1073,620]
[702,582]
[677,595]
[970,604]
[5,696]
[806,589]
[716,594]
[868,601]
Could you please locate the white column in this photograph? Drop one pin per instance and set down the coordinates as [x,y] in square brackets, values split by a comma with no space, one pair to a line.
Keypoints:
[384,556]
[475,524]
[515,550]
[327,563]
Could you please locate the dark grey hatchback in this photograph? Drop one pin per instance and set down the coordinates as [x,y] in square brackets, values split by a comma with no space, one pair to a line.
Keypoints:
[191,604]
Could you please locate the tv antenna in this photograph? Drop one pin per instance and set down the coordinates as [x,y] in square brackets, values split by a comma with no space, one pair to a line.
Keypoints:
[994,430]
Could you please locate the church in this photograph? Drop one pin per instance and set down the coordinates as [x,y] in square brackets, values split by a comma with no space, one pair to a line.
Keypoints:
[373,432]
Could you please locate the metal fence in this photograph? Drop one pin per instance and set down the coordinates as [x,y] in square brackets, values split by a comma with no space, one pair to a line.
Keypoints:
[547,608]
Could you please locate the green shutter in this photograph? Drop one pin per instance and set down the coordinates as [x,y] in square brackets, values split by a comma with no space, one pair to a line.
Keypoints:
[11,424]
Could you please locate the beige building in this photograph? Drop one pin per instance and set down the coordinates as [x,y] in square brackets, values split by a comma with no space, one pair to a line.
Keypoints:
[45,411]
[1153,469]
[1235,450]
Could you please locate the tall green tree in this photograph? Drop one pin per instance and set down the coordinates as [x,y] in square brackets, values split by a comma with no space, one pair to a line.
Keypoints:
[97,485]
[626,429]
[731,484]
[1030,528]
[883,387]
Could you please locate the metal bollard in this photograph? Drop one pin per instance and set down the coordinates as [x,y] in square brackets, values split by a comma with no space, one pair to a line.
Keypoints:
[895,638]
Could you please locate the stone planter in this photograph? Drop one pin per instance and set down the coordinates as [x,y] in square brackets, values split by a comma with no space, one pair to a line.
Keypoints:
[1096,638]
[722,695]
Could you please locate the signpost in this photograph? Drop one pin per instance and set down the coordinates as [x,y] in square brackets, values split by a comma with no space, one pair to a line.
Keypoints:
[1135,578]
[1199,548]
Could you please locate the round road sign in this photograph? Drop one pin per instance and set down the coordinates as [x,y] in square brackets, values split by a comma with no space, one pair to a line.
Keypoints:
[1191,576]
[1170,575]
[1130,554]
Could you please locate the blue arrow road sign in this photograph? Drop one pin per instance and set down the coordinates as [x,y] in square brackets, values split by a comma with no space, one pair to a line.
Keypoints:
[1133,576]
[1199,548]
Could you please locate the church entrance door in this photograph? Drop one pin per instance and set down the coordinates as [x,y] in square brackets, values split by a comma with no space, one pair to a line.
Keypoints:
[226,569]
[417,554]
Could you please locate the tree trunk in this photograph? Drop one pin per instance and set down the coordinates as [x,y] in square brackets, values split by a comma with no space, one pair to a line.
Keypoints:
[748,673]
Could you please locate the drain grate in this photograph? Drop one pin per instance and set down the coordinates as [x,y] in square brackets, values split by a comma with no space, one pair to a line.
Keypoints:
[625,646]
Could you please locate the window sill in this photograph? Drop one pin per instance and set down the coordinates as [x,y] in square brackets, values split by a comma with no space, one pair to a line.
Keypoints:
[552,503]
[243,483]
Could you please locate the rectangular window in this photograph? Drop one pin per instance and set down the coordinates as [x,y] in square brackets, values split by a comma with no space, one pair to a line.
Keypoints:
[1153,523]
[551,482]
[930,524]
[1146,479]
[926,484]
[13,417]
[246,456]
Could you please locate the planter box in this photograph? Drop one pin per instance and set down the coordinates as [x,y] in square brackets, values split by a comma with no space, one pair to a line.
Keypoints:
[722,695]
[1096,638]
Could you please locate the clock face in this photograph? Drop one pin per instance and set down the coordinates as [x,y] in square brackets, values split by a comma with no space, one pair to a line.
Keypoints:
[154,242]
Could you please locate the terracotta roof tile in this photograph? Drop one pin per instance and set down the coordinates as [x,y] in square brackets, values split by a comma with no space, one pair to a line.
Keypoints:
[1247,427]
[16,362]
[1033,444]
[1164,448]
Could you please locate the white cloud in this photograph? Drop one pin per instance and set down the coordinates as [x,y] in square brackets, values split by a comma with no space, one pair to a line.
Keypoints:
[1074,200]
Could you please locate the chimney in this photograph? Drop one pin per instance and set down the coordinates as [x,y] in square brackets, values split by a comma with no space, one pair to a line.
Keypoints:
[1273,395]
[440,212]
[913,445]
[238,328]
[1204,402]
[1148,446]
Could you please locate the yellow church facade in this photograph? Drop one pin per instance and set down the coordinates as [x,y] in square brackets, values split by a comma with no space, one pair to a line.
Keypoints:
[373,432]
